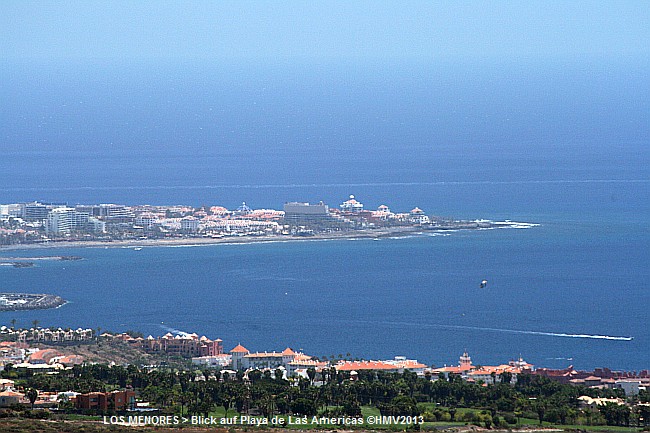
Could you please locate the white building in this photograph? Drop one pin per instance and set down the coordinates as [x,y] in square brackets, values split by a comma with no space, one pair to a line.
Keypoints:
[114,210]
[148,220]
[11,210]
[61,220]
[290,360]
[64,220]
[351,205]
[417,216]
[630,386]
[190,224]
[216,361]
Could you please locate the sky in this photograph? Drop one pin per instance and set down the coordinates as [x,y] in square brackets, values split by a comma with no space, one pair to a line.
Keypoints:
[321,30]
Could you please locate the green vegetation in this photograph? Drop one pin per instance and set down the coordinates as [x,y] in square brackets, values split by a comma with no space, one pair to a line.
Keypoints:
[532,401]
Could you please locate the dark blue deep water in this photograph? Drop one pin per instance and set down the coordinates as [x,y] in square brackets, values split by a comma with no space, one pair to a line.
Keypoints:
[562,145]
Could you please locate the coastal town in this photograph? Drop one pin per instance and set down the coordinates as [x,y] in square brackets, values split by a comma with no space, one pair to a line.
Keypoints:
[179,378]
[44,224]
[194,377]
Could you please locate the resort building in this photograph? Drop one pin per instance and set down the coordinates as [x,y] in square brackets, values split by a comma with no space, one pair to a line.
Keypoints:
[631,386]
[301,364]
[417,216]
[243,210]
[238,354]
[36,211]
[351,205]
[215,361]
[148,220]
[44,356]
[397,365]
[189,345]
[9,398]
[190,224]
[48,335]
[464,366]
[103,401]
[290,360]
[10,211]
[305,213]
[600,378]
[229,225]
[487,374]
[382,213]
[65,220]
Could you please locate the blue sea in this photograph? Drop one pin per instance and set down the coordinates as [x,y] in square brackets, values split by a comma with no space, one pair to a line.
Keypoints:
[560,144]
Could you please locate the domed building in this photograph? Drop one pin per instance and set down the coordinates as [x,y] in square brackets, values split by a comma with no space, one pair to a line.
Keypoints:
[417,216]
[351,205]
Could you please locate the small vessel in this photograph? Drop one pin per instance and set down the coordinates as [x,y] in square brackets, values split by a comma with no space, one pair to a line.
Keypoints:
[483,284]
[137,248]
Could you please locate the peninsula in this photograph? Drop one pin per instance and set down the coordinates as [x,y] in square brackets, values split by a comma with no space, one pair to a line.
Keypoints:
[37,224]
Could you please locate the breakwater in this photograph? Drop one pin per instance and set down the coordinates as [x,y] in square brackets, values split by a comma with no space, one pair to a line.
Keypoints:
[29,301]
[28,262]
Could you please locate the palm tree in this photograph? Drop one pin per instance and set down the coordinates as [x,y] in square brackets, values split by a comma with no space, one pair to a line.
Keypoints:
[35,322]
[13,323]
[31,395]
[311,373]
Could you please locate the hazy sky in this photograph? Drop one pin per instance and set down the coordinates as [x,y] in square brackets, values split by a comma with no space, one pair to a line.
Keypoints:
[321,29]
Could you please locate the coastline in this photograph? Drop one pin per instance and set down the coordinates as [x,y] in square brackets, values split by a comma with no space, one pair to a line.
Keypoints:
[393,232]
[177,242]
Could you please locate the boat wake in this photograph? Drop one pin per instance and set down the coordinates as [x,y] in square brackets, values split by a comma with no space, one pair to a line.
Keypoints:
[511,331]
[175,331]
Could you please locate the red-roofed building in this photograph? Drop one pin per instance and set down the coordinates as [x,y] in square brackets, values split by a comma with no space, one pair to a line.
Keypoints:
[291,360]
[10,397]
[364,365]
[71,360]
[239,349]
[487,374]
[464,366]
[189,345]
[397,365]
[238,354]
[44,356]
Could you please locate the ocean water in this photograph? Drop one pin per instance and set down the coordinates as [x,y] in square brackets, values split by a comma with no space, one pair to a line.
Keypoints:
[562,145]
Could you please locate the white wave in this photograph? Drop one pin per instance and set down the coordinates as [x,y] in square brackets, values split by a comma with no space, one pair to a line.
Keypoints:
[561,334]
[175,331]
[515,224]
[548,334]
[512,331]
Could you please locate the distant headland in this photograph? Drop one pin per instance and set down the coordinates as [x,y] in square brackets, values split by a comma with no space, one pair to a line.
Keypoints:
[37,224]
